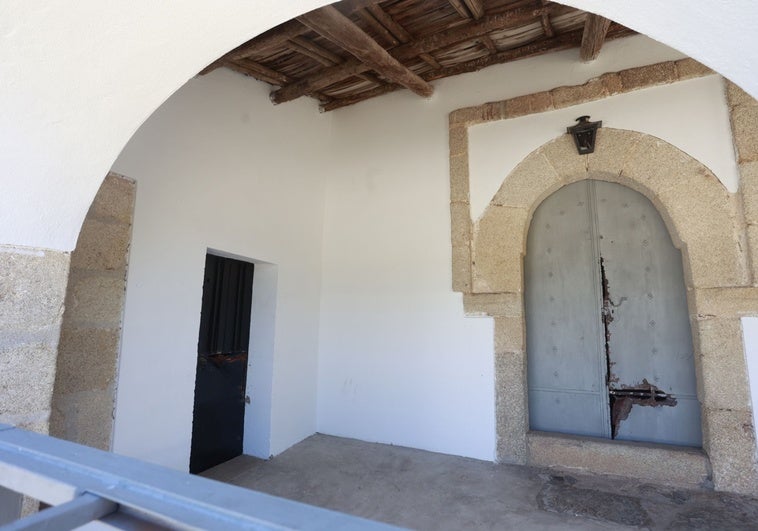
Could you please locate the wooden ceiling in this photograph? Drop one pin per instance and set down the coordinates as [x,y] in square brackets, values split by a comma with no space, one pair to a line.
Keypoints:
[354,50]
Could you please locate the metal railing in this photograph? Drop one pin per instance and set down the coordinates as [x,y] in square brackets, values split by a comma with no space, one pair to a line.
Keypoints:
[83,485]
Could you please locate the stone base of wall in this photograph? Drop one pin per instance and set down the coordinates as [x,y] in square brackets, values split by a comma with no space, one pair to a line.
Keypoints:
[32,291]
[667,465]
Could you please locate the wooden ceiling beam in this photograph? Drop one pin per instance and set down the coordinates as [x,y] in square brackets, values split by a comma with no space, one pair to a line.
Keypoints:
[595,30]
[262,44]
[333,25]
[488,43]
[563,41]
[540,47]
[473,30]
[278,36]
[258,71]
[476,8]
[369,19]
[390,23]
[506,20]
[314,51]
[336,103]
[461,8]
[430,60]
[547,27]
[399,32]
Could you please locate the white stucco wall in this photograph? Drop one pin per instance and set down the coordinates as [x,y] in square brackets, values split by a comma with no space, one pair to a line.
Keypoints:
[398,361]
[219,167]
[79,78]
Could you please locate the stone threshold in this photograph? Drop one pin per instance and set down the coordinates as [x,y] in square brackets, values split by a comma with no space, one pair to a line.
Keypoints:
[677,466]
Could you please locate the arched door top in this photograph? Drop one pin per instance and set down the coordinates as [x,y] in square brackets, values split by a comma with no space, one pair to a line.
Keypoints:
[698,210]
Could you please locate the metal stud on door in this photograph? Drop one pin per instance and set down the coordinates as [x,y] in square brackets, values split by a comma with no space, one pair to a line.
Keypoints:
[609,344]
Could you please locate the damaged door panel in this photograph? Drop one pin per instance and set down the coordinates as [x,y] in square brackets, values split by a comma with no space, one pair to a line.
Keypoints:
[649,345]
[643,334]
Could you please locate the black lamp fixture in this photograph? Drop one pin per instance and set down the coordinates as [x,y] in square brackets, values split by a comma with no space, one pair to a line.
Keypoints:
[584,134]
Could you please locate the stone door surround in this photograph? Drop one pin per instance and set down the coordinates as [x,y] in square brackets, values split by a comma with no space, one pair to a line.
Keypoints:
[712,228]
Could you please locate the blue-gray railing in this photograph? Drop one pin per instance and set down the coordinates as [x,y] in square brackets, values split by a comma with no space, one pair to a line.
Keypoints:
[84,485]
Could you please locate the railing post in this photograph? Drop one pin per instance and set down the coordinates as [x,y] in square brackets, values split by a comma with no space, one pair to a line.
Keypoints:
[10,506]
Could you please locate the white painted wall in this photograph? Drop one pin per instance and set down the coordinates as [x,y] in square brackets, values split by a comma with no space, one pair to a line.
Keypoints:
[219,167]
[750,338]
[691,115]
[79,78]
[398,361]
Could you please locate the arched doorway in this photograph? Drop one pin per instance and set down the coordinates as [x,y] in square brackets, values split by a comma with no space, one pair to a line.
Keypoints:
[609,344]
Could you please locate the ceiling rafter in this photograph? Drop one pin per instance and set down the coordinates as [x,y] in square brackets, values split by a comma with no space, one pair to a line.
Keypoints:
[595,30]
[354,50]
[336,27]
[540,47]
[461,8]
[427,45]
[476,8]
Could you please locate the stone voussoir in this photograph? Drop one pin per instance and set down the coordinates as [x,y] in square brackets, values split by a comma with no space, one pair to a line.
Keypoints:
[493,304]
[498,245]
[688,68]
[648,76]
[527,184]
[592,90]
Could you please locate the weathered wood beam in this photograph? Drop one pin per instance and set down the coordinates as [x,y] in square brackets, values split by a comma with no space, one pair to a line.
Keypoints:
[476,8]
[369,19]
[388,22]
[547,27]
[563,41]
[500,21]
[488,43]
[506,20]
[333,25]
[544,45]
[269,40]
[314,51]
[430,60]
[258,71]
[324,56]
[595,30]
[336,103]
[461,8]
[262,44]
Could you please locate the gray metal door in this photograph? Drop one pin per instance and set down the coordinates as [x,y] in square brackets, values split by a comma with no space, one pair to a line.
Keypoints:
[609,345]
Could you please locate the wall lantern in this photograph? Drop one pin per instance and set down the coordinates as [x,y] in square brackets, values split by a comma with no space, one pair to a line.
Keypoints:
[584,134]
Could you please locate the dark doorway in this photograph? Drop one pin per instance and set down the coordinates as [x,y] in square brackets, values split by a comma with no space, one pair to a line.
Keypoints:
[218,418]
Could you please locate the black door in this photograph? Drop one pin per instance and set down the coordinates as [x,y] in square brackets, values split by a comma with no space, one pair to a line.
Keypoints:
[218,419]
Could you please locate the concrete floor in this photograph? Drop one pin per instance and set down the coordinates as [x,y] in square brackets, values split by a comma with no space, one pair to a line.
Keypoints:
[423,490]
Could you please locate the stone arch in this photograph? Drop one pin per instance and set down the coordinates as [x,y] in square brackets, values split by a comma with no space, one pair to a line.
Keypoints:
[697,209]
[704,221]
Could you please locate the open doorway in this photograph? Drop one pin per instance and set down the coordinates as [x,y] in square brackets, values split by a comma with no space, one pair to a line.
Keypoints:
[222,358]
